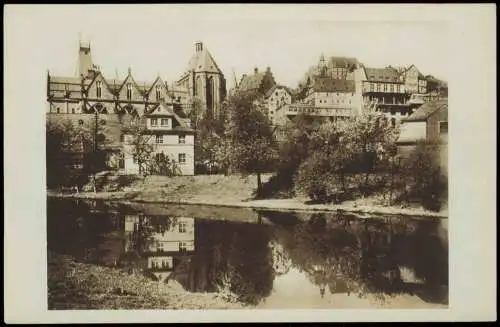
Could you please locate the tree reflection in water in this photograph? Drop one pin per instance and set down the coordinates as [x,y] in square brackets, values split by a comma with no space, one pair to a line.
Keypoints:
[366,256]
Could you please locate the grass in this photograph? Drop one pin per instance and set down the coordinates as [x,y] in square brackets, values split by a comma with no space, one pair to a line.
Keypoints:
[74,285]
[237,191]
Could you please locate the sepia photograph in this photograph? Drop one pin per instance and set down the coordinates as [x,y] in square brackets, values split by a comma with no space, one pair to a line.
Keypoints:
[243,163]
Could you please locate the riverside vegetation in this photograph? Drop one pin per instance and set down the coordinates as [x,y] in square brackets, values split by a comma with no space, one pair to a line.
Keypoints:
[327,162]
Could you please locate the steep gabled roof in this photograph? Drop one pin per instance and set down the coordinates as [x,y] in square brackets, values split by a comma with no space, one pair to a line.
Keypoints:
[342,62]
[387,74]
[202,61]
[329,84]
[427,109]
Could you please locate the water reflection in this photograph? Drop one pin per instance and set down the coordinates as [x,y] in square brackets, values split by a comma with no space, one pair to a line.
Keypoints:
[251,262]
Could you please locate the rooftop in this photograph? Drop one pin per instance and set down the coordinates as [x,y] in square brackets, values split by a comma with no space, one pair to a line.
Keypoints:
[387,74]
[427,109]
[329,84]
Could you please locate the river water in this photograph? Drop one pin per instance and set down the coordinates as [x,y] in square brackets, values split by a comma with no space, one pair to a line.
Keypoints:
[263,258]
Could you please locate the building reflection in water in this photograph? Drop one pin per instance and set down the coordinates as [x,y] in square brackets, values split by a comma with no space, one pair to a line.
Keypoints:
[161,243]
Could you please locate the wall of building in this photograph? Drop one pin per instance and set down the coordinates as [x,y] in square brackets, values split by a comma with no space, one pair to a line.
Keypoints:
[171,149]
[279,98]
[412,131]
[433,131]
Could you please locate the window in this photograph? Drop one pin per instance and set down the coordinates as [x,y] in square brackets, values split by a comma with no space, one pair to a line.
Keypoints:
[182,246]
[98,90]
[154,121]
[182,139]
[392,87]
[80,122]
[72,110]
[159,247]
[182,158]
[443,127]
[129,91]
[159,139]
[58,110]
[378,87]
[372,87]
[165,263]
[158,92]
[182,227]
[164,122]
[398,88]
[385,87]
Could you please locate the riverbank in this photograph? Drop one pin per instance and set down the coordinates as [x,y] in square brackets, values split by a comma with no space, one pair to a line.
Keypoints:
[74,285]
[234,191]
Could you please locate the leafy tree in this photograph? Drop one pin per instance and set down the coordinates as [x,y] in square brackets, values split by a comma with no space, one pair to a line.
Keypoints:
[248,143]
[138,144]
[424,176]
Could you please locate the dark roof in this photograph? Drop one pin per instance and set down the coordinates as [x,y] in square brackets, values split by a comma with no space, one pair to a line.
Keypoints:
[342,62]
[387,74]
[251,82]
[328,84]
[427,109]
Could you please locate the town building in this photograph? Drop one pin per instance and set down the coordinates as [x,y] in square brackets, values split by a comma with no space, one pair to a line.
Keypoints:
[202,79]
[105,106]
[259,82]
[429,122]
[170,136]
[414,80]
[385,89]
[276,101]
[166,242]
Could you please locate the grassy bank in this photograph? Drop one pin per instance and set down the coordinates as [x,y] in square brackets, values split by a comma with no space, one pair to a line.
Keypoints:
[73,285]
[234,191]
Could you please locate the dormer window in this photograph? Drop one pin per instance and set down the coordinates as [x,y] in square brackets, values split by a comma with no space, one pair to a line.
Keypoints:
[164,122]
[154,122]
[129,91]
[99,89]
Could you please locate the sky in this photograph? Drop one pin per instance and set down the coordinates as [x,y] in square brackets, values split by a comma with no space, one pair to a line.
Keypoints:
[159,39]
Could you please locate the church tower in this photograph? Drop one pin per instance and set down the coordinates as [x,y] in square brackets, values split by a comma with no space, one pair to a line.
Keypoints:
[204,80]
[85,64]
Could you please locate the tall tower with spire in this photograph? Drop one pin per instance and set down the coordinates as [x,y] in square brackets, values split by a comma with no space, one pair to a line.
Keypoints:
[85,63]
[204,80]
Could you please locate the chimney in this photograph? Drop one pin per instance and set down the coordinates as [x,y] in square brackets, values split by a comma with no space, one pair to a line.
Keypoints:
[198,46]
[268,69]
[255,70]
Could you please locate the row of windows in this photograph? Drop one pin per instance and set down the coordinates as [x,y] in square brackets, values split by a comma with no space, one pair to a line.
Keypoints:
[183,246]
[163,122]
[386,87]
[129,90]
[182,139]
[181,159]
[337,101]
[161,264]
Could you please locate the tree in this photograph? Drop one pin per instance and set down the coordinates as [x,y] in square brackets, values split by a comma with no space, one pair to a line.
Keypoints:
[60,152]
[138,144]
[248,143]
[196,112]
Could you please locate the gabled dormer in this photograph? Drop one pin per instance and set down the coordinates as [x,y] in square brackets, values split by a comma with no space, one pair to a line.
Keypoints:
[129,90]
[161,118]
[158,91]
[99,88]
